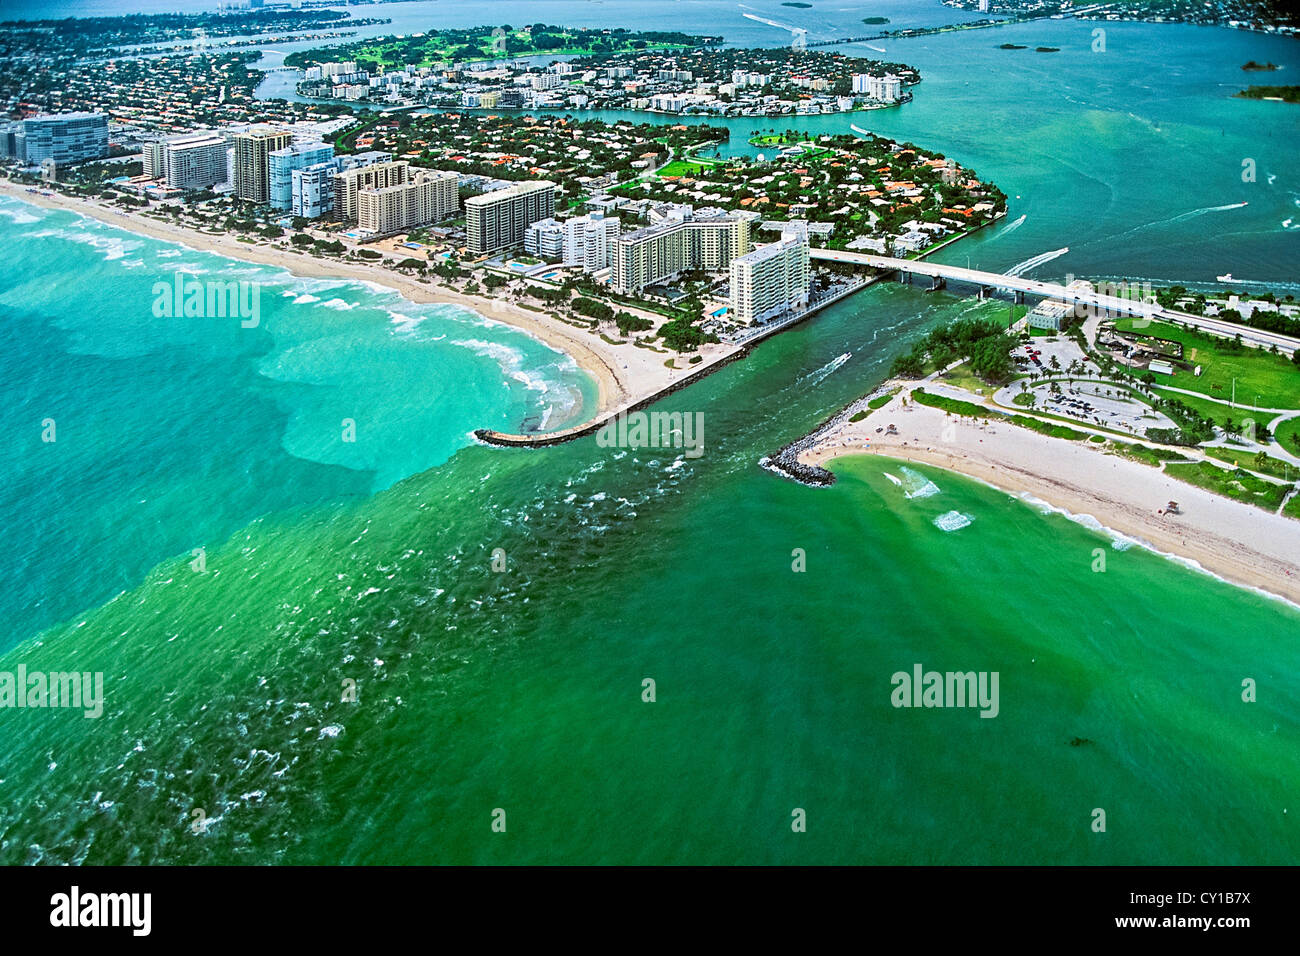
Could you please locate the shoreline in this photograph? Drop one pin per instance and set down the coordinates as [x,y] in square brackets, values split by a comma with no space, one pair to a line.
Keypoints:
[625,374]
[1237,542]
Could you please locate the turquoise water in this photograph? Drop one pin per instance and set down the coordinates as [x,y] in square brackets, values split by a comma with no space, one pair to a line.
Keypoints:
[522,690]
[170,434]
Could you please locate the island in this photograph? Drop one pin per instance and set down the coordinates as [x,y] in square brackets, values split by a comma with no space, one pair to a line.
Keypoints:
[1283,94]
[702,79]
[479,44]
[1261,67]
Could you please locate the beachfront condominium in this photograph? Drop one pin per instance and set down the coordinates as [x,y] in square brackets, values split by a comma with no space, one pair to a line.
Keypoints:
[589,240]
[708,240]
[62,137]
[252,161]
[430,196]
[349,183]
[771,280]
[193,161]
[497,220]
[311,189]
[545,239]
[283,162]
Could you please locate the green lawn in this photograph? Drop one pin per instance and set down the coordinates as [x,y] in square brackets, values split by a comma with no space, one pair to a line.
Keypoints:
[680,167]
[1288,435]
[1204,407]
[1239,485]
[1273,379]
[1245,458]
[1292,509]
[1143,453]
[963,377]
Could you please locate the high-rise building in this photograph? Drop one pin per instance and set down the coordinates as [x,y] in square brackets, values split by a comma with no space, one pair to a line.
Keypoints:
[195,161]
[589,240]
[62,137]
[772,279]
[152,156]
[658,253]
[544,238]
[349,183]
[497,220]
[283,162]
[252,172]
[429,197]
[886,89]
[9,141]
[312,188]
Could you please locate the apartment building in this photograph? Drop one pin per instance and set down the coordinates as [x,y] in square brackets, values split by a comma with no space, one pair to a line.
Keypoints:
[707,241]
[349,182]
[252,161]
[430,196]
[544,238]
[497,220]
[283,163]
[62,137]
[589,240]
[771,280]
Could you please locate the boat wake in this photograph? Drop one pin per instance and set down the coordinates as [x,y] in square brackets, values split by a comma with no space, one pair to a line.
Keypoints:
[1012,226]
[1034,262]
[821,373]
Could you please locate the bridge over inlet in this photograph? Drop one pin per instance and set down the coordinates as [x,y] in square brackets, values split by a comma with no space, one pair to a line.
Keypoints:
[1098,302]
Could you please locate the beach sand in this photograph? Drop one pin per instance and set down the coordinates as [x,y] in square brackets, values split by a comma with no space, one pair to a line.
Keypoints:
[624,373]
[1236,541]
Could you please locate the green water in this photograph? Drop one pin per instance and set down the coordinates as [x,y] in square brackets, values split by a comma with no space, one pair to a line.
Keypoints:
[522,690]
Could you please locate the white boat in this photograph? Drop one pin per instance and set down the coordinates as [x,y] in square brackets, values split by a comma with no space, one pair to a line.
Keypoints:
[1226,277]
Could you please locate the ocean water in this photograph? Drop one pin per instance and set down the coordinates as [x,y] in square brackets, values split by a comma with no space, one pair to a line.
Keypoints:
[170,434]
[521,690]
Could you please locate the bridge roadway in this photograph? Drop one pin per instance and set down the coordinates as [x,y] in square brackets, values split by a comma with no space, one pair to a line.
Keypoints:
[1049,290]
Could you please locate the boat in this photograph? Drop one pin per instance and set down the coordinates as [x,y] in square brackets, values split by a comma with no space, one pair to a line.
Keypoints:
[1226,277]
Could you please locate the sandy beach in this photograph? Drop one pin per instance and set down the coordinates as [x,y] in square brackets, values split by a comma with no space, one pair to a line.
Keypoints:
[1236,541]
[624,373]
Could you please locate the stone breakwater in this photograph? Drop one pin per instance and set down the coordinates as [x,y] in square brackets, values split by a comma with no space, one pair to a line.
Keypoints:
[786,461]
[543,439]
